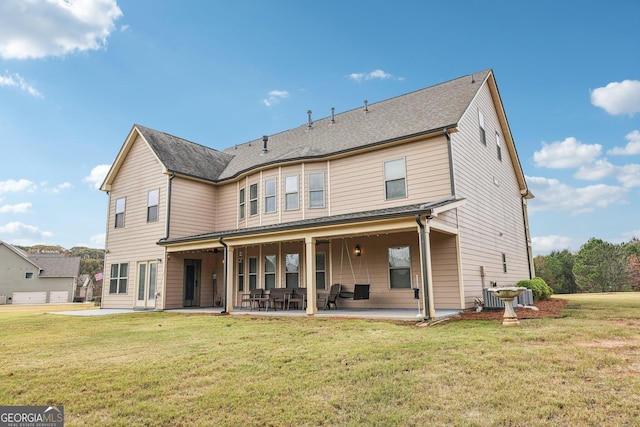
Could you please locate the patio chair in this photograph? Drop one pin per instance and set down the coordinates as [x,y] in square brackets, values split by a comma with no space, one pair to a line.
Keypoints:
[278,296]
[257,298]
[298,296]
[332,298]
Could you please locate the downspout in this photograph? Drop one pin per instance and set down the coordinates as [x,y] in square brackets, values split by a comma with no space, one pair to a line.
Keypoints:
[224,276]
[527,233]
[425,272]
[450,152]
[173,175]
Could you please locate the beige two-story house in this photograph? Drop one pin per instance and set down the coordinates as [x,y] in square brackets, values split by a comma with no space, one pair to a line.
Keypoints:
[423,191]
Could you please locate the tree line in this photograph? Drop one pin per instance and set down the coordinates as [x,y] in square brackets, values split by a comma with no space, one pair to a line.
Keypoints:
[598,266]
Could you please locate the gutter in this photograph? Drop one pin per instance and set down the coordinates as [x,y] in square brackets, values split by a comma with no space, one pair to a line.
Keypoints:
[224,276]
[423,262]
[166,233]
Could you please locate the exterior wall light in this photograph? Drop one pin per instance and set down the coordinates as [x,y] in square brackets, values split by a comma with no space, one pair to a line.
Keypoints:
[358,250]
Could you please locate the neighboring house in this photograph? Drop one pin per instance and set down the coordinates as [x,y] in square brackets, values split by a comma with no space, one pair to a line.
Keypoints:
[36,279]
[85,288]
[424,191]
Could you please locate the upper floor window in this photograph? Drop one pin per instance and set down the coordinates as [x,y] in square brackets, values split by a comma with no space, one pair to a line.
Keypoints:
[270,195]
[291,199]
[483,134]
[498,146]
[152,205]
[253,199]
[118,278]
[120,212]
[241,203]
[399,267]
[28,275]
[316,190]
[395,181]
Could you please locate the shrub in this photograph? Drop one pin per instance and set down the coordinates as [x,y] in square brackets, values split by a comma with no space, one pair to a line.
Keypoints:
[539,288]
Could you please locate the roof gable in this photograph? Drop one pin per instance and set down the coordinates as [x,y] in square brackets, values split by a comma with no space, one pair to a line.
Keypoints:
[57,265]
[20,253]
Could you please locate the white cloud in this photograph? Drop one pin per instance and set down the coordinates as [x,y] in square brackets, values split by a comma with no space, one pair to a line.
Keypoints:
[373,75]
[554,196]
[595,171]
[98,240]
[16,80]
[15,209]
[275,96]
[545,244]
[618,97]
[42,28]
[61,187]
[97,175]
[633,147]
[13,186]
[18,230]
[629,175]
[569,153]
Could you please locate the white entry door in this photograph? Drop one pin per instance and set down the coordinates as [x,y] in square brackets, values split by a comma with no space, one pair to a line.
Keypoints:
[146,284]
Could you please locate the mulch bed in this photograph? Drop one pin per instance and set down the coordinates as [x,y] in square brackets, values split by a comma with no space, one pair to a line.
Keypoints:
[548,308]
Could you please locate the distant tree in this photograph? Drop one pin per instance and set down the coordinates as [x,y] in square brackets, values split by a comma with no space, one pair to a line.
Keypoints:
[633,272]
[600,266]
[556,269]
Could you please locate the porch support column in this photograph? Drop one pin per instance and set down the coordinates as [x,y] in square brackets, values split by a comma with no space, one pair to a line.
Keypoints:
[310,273]
[425,261]
[228,280]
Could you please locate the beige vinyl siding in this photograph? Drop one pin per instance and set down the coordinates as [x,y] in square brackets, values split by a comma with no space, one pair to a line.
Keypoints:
[136,241]
[491,222]
[357,182]
[444,261]
[227,206]
[192,207]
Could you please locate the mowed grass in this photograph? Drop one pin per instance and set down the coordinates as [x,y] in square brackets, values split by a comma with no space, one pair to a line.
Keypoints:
[171,369]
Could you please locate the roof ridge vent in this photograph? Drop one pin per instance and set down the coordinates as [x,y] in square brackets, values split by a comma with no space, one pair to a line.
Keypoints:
[366,106]
[310,123]
[333,115]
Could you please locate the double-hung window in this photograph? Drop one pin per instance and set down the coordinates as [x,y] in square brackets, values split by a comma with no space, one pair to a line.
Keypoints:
[292,266]
[120,206]
[253,199]
[152,205]
[316,190]
[270,195]
[399,267]
[241,274]
[395,179]
[291,199]
[269,271]
[118,278]
[241,203]
[253,273]
[321,270]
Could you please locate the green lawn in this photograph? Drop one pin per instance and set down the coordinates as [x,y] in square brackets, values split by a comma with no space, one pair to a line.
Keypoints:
[162,368]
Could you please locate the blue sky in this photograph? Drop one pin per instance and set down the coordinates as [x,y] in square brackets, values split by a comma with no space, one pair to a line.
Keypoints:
[76,75]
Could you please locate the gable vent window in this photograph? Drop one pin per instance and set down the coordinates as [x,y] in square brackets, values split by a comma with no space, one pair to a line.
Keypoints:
[28,275]
[270,195]
[120,206]
[483,134]
[395,179]
[152,205]
[498,146]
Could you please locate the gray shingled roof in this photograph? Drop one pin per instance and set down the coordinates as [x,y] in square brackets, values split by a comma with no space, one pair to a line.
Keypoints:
[426,110]
[57,265]
[420,112]
[185,157]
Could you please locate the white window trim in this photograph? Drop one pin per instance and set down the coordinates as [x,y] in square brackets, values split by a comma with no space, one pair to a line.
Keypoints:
[384,171]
